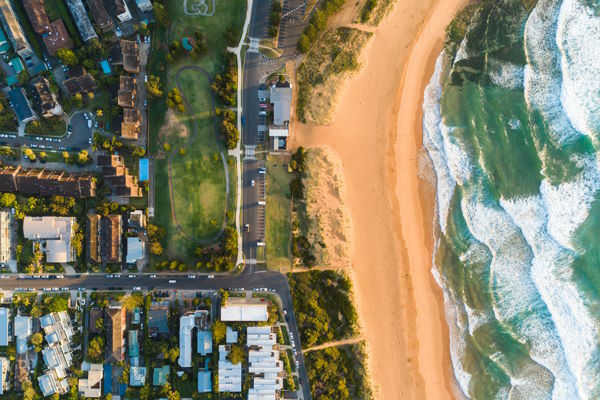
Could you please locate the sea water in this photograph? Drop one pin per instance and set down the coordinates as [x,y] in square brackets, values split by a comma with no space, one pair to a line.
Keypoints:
[512,125]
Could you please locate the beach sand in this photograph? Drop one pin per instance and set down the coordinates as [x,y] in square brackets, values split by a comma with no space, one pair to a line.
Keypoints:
[376,134]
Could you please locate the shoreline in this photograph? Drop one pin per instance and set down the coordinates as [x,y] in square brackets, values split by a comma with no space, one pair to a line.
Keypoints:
[377,135]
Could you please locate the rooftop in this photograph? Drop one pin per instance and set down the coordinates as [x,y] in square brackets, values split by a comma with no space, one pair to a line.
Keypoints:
[4,313]
[244,309]
[137,376]
[204,382]
[21,104]
[160,375]
[58,37]
[80,16]
[36,12]
[100,15]
[56,231]
[135,249]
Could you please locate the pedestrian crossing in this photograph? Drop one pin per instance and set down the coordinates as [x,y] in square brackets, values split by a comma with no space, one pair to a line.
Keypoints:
[254,43]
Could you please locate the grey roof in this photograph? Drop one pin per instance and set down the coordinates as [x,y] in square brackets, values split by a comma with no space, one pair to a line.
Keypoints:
[84,25]
[4,326]
[13,30]
[281,98]
[158,319]
[22,108]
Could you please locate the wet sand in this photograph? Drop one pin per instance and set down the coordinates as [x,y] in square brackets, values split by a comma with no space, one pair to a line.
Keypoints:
[376,134]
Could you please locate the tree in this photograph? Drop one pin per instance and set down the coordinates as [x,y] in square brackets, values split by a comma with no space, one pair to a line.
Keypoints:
[154,87]
[156,248]
[100,324]
[83,156]
[173,354]
[99,112]
[236,354]
[24,77]
[167,147]
[28,390]
[95,349]
[224,296]
[161,15]
[219,331]
[182,151]
[67,57]
[7,199]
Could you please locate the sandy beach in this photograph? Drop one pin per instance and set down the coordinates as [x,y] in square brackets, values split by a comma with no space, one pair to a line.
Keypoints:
[376,134]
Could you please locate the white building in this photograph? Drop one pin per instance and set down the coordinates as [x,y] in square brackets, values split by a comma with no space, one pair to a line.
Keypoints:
[5,235]
[230,375]
[58,356]
[144,5]
[92,386]
[22,332]
[280,97]
[4,375]
[244,309]
[123,13]
[135,250]
[264,363]
[4,314]
[56,234]
[187,323]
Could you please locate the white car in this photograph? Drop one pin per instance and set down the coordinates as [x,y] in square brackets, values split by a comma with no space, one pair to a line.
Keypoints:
[192,276]
[252,183]
[146,78]
[137,288]
[172,281]
[152,276]
[211,276]
[59,276]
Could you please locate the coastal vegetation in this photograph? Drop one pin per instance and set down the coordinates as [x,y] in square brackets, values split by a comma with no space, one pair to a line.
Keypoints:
[318,23]
[323,306]
[322,73]
[339,373]
[373,11]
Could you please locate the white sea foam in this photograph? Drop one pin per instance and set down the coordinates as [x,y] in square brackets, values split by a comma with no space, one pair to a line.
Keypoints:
[515,295]
[434,143]
[552,274]
[578,38]
[461,53]
[506,74]
[542,74]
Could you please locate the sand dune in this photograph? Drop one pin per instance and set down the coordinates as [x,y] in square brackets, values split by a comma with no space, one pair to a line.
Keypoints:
[376,134]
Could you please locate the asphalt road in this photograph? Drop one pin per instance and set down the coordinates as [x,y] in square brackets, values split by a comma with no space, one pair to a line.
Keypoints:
[270,280]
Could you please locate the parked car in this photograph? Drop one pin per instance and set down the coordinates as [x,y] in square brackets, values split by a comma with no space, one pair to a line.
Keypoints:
[252,183]
[262,99]
[262,113]
[211,276]
[137,288]
[172,281]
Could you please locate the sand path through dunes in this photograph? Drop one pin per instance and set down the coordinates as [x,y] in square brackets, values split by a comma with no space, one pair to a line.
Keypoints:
[376,134]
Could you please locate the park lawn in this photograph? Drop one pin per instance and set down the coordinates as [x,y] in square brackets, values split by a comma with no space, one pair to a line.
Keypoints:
[278,214]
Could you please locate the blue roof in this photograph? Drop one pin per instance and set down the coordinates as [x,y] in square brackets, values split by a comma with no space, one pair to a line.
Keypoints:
[17,64]
[204,342]
[19,100]
[186,44]
[4,327]
[143,169]
[159,376]
[134,348]
[105,67]
[204,382]
[107,378]
[12,80]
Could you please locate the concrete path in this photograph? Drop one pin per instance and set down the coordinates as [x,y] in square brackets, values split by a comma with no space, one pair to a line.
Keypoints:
[335,344]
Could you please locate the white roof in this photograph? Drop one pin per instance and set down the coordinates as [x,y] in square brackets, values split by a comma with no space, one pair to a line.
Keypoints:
[186,324]
[22,326]
[4,312]
[56,231]
[281,98]
[135,249]
[230,375]
[278,131]
[231,335]
[95,375]
[47,384]
[241,309]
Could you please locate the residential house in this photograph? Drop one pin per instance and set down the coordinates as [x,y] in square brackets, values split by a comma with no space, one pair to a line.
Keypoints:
[133,347]
[117,176]
[130,127]
[231,335]
[264,362]
[135,250]
[54,233]
[122,10]
[204,382]
[23,329]
[5,236]
[137,376]
[160,375]
[98,11]
[4,315]
[112,229]
[137,219]
[80,82]
[144,5]
[116,323]
[187,324]
[21,105]
[36,12]
[91,387]
[57,355]
[4,375]
[15,33]
[80,16]
[44,100]
[93,242]
[230,375]
[57,38]
[281,98]
[4,45]
[46,183]
[131,56]
[127,92]
[238,309]
[157,321]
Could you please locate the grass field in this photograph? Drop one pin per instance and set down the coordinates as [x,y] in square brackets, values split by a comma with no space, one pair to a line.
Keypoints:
[278,214]
[198,179]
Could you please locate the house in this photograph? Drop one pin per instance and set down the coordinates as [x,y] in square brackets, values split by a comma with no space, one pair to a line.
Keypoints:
[130,127]
[46,183]
[79,82]
[5,236]
[4,375]
[281,98]
[135,250]
[137,219]
[21,105]
[131,56]
[80,16]
[44,100]
[240,309]
[117,176]
[58,355]
[264,362]
[15,33]
[160,376]
[93,251]
[231,336]
[230,375]
[36,12]
[4,314]
[204,342]
[127,92]
[187,323]
[122,10]
[115,320]
[137,376]
[133,347]
[157,321]
[23,329]
[57,38]
[98,11]
[92,386]
[204,382]
[4,45]
[111,238]
[55,234]
[144,5]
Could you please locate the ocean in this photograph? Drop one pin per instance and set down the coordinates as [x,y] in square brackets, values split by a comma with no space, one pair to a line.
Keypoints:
[512,125]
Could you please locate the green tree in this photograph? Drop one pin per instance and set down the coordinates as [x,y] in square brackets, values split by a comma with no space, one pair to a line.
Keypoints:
[67,57]
[95,349]
[154,87]
[236,354]
[161,15]
[156,248]
[100,324]
[36,341]
[29,392]
[219,331]
[83,156]
[7,199]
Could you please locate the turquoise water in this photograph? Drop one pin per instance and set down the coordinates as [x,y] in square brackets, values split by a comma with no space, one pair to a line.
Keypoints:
[512,125]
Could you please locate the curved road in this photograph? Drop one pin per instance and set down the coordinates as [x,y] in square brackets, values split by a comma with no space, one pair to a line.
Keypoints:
[213,238]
